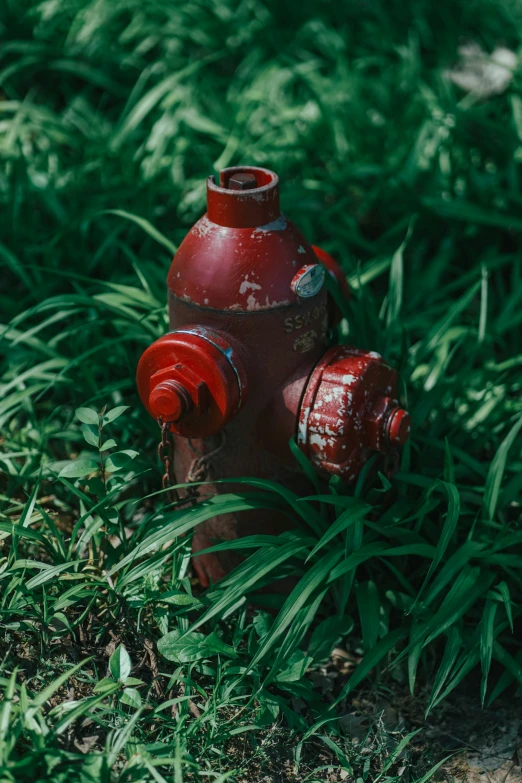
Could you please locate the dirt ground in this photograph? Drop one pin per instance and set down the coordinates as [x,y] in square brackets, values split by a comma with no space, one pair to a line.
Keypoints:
[488,742]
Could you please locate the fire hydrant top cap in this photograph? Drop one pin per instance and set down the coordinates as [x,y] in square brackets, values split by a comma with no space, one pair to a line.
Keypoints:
[246,197]
[243,255]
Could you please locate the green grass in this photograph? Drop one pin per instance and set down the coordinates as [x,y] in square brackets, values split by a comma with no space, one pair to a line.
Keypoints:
[115,666]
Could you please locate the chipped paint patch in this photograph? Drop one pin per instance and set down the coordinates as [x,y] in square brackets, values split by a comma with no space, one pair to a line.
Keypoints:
[203,227]
[276,225]
[263,195]
[282,303]
[252,303]
[316,440]
[302,425]
[246,284]
[301,249]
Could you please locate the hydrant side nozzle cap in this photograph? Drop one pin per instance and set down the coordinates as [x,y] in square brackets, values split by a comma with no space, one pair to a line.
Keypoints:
[350,409]
[197,363]
[246,197]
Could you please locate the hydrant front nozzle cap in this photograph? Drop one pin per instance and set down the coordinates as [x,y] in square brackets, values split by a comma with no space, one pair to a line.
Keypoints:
[398,427]
[169,401]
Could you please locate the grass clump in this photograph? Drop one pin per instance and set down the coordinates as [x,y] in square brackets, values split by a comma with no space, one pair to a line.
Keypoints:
[115,666]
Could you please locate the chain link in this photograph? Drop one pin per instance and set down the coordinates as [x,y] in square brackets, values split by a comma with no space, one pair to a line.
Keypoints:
[166,457]
[199,467]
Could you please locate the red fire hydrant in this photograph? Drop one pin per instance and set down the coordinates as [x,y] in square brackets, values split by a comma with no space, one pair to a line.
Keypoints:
[246,367]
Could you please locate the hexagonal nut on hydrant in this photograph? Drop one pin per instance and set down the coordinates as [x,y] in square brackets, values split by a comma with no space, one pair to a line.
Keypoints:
[175,392]
[386,425]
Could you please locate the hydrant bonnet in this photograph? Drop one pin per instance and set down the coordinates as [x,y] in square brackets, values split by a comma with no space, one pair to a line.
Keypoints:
[243,254]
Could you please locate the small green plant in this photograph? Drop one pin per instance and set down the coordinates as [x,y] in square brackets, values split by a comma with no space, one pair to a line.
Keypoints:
[103,469]
[120,669]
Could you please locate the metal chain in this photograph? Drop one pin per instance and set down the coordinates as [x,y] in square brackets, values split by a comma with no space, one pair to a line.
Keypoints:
[166,457]
[199,467]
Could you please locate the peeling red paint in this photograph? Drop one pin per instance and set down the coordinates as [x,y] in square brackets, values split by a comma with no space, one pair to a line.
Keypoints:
[348,402]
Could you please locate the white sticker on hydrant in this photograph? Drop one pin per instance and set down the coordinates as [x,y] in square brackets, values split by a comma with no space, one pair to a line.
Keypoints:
[308,281]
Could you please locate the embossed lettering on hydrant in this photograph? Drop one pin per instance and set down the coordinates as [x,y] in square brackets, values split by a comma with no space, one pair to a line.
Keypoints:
[304,319]
[305,342]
